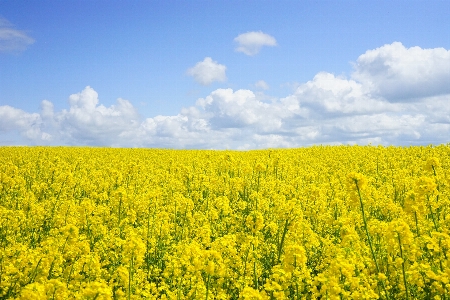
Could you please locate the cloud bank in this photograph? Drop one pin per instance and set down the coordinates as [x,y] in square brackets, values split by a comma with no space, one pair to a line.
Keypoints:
[11,39]
[396,95]
[250,43]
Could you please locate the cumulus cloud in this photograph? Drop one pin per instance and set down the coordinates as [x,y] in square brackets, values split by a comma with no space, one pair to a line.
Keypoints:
[328,109]
[329,95]
[27,124]
[11,39]
[398,73]
[208,71]
[250,43]
[88,121]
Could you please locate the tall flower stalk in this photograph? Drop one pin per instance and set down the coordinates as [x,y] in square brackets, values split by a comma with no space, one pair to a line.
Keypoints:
[360,181]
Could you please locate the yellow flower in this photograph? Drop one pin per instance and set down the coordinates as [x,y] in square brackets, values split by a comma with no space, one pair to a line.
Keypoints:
[251,294]
[70,231]
[260,167]
[255,221]
[210,268]
[432,164]
[356,180]
[33,291]
[294,257]
[425,186]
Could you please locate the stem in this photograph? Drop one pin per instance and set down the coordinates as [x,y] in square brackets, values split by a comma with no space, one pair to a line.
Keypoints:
[70,274]
[120,213]
[417,226]
[368,237]
[245,263]
[49,276]
[255,278]
[432,214]
[440,264]
[365,227]
[207,286]
[403,266]
[259,176]
[130,277]
[64,245]
[280,246]
[35,271]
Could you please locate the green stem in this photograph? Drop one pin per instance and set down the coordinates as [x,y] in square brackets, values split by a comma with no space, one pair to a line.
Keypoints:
[120,214]
[259,176]
[403,266]
[366,228]
[255,277]
[207,286]
[368,237]
[283,236]
[35,271]
[417,225]
[432,214]
[130,277]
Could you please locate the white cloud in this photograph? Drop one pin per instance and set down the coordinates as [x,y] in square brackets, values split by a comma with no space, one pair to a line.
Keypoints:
[13,40]
[27,124]
[398,73]
[261,84]
[250,43]
[327,94]
[328,109]
[225,108]
[86,120]
[208,71]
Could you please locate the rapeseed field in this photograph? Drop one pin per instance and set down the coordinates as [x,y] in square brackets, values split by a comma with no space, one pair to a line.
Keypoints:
[334,222]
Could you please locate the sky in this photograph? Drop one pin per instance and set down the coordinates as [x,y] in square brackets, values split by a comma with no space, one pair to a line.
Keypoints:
[224,74]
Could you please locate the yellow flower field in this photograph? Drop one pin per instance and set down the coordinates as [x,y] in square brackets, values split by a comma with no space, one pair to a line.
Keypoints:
[335,222]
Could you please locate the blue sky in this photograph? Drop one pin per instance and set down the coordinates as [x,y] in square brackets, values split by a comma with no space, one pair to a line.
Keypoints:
[224,74]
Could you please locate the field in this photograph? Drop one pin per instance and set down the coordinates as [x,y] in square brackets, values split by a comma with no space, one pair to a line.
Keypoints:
[341,222]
